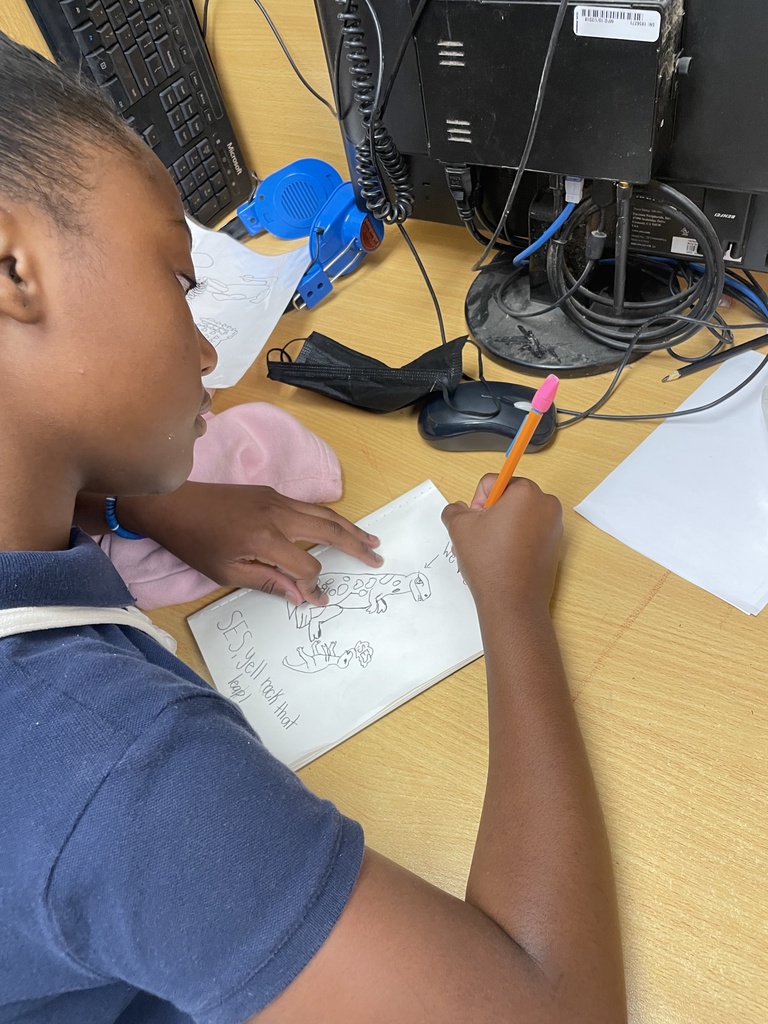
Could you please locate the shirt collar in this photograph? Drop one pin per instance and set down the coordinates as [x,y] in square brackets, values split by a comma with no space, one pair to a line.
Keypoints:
[81,575]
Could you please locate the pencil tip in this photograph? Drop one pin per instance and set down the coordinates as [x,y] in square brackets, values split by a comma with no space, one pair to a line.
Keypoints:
[671,376]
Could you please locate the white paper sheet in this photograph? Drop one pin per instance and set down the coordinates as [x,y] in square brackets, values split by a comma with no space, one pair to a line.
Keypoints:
[239,299]
[694,495]
[386,635]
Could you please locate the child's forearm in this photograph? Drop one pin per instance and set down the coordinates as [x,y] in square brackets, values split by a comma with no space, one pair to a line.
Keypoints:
[542,867]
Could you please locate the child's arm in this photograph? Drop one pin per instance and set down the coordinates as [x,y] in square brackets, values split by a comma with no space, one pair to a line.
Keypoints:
[537,939]
[238,535]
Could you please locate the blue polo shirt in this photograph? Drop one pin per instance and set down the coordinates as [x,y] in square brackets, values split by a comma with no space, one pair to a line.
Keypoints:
[157,865]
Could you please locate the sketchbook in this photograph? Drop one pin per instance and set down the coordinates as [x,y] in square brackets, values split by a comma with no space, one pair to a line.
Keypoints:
[306,677]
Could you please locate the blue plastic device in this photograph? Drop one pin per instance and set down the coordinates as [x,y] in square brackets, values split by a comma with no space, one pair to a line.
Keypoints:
[308,199]
[286,203]
[340,237]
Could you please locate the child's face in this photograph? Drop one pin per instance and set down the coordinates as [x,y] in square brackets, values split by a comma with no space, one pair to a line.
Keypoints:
[127,356]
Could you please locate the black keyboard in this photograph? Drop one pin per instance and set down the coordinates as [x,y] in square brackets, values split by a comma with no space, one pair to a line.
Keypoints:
[150,59]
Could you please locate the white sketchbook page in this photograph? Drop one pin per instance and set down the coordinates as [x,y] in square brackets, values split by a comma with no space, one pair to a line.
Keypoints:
[400,629]
[694,495]
[239,299]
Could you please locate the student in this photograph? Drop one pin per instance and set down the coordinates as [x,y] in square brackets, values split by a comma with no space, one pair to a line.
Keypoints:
[157,865]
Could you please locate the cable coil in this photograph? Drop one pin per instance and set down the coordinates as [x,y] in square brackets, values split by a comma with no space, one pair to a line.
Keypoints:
[377,151]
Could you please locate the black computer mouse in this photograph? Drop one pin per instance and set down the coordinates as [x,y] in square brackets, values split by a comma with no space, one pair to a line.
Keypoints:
[472,422]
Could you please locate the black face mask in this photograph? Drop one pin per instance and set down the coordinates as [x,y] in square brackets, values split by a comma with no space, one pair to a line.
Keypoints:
[339,372]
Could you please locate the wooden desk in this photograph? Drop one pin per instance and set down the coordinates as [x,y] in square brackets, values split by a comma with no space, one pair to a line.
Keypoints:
[669,682]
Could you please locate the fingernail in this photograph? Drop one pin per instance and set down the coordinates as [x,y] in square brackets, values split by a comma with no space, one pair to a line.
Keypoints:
[377,558]
[373,540]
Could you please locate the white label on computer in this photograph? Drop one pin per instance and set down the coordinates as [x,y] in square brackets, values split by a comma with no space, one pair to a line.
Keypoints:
[684,246]
[617,23]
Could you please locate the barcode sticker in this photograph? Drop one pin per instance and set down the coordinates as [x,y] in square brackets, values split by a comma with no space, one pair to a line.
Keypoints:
[684,246]
[617,23]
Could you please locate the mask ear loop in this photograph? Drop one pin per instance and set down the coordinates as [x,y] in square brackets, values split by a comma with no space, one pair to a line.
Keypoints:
[496,402]
[284,356]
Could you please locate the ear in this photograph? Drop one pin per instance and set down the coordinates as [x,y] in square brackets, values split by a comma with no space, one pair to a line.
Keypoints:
[20,293]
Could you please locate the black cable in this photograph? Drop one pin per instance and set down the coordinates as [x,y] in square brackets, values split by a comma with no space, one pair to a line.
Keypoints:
[376,157]
[591,412]
[503,285]
[286,51]
[415,18]
[548,60]
[430,289]
[696,303]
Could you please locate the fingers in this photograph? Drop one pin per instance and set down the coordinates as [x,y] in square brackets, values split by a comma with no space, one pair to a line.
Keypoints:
[483,490]
[290,572]
[271,580]
[319,525]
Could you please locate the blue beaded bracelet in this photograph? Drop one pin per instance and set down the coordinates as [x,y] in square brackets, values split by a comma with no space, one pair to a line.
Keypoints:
[110,514]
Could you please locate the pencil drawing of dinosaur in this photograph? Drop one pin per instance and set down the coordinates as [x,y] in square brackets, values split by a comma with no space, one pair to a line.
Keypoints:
[324,655]
[369,592]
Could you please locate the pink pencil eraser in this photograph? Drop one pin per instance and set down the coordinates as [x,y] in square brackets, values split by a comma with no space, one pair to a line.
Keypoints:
[545,396]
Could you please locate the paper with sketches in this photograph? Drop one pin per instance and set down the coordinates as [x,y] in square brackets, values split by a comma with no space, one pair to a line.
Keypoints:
[694,495]
[239,298]
[307,678]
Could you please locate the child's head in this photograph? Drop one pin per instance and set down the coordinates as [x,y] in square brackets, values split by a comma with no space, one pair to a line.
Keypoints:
[99,356]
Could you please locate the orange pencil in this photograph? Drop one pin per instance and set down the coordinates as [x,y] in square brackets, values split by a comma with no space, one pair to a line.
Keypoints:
[541,402]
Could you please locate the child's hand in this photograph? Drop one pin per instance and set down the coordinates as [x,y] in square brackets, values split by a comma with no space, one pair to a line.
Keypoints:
[508,553]
[246,536]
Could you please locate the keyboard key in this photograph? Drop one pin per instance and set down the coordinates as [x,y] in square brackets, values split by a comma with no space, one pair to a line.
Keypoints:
[195,126]
[170,14]
[195,201]
[187,185]
[167,55]
[130,6]
[194,80]
[206,190]
[124,74]
[176,117]
[101,65]
[151,136]
[205,149]
[185,53]
[138,24]
[118,95]
[156,27]
[181,167]
[97,13]
[108,37]
[177,35]
[148,7]
[168,98]
[224,197]
[208,210]
[202,99]
[182,136]
[181,89]
[139,69]
[193,158]
[156,68]
[199,174]
[116,16]
[125,38]
[209,116]
[146,45]
[188,109]
[75,11]
[211,166]
[88,38]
